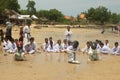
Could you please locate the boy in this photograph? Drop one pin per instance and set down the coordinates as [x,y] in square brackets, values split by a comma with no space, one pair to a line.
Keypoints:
[87,47]
[104,49]
[31,47]
[68,34]
[116,49]
[45,45]
[59,47]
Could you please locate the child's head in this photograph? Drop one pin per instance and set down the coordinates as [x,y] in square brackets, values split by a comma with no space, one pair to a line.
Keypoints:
[106,41]
[65,41]
[16,40]
[75,44]
[68,28]
[116,44]
[31,39]
[88,44]
[59,41]
[97,41]
[46,40]
[101,44]
[50,38]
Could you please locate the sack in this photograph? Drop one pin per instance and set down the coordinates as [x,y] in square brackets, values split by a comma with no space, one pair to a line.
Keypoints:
[18,57]
[93,56]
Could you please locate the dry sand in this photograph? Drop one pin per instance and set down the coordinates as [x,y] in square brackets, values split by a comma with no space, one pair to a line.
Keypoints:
[54,66]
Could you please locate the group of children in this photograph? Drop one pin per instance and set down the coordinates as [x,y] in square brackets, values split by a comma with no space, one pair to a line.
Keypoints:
[27,44]
[103,47]
[51,46]
[17,46]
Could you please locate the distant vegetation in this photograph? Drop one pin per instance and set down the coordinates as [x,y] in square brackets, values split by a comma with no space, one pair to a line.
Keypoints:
[100,15]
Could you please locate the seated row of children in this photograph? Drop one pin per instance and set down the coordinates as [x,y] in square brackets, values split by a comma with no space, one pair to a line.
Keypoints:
[14,46]
[50,46]
[103,47]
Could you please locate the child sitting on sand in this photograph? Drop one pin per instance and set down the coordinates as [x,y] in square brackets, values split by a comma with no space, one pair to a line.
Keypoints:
[31,47]
[104,49]
[45,45]
[116,49]
[59,47]
[86,48]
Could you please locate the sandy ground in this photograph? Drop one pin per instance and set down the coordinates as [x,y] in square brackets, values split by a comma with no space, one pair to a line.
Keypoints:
[54,66]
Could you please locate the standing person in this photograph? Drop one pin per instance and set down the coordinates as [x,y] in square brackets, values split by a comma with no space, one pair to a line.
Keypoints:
[8,34]
[26,33]
[68,33]
[21,33]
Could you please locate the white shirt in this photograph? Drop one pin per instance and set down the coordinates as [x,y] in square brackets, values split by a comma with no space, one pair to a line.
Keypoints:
[68,35]
[107,44]
[116,50]
[64,46]
[13,47]
[59,48]
[29,47]
[105,49]
[26,29]
[45,46]
[6,45]
[53,42]
[71,49]
[51,49]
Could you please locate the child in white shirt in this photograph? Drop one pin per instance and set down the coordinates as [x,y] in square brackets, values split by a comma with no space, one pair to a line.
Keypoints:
[116,49]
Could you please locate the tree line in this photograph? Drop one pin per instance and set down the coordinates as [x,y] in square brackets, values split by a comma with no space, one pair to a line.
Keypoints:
[100,15]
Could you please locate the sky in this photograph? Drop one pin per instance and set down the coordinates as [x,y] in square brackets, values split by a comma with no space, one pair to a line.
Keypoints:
[73,7]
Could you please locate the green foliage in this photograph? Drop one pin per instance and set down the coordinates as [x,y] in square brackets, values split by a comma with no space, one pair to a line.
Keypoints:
[30,7]
[43,13]
[100,14]
[13,5]
[10,5]
[55,15]
[52,14]
[114,18]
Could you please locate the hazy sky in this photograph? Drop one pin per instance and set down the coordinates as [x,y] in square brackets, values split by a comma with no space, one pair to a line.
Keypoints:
[73,7]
